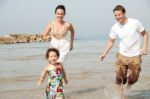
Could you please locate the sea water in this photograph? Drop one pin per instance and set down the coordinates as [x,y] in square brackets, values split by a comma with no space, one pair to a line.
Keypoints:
[22,64]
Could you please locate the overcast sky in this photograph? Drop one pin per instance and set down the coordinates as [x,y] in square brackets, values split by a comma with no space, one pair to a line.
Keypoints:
[90,18]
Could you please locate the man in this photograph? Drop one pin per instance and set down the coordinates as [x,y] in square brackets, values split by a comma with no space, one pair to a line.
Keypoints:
[128,59]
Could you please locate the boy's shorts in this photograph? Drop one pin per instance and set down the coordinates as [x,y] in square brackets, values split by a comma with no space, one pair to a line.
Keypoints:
[127,69]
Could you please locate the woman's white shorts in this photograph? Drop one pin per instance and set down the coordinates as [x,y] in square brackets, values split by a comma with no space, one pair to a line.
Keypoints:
[63,46]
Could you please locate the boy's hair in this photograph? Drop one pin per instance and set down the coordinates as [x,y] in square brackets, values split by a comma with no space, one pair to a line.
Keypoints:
[52,50]
[119,7]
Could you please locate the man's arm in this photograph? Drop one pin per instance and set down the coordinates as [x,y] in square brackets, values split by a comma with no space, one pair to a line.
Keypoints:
[107,49]
[144,49]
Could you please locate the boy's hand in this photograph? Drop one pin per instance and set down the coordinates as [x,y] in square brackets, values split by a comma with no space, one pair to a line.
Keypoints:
[66,81]
[38,83]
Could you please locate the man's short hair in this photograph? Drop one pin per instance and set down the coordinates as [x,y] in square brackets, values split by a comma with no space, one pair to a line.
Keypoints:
[119,7]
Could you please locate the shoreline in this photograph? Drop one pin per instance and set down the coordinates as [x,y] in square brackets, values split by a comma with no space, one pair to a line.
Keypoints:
[21,38]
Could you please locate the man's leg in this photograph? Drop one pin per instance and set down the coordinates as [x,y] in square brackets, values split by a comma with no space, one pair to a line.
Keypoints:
[121,75]
[120,88]
[134,71]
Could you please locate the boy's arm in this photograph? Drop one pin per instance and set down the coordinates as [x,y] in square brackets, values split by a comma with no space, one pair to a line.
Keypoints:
[42,76]
[64,74]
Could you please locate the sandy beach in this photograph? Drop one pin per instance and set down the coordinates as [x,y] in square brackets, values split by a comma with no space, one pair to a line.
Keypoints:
[83,84]
[88,77]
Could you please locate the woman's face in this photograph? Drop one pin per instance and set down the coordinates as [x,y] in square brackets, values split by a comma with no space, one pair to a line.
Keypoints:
[60,14]
[52,57]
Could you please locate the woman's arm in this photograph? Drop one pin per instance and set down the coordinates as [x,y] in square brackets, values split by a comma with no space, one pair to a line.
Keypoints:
[72,36]
[46,35]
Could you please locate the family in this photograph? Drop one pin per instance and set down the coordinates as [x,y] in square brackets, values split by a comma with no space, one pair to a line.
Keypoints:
[128,59]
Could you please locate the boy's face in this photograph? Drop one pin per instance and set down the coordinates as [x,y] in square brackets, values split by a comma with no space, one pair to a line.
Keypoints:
[119,16]
[52,57]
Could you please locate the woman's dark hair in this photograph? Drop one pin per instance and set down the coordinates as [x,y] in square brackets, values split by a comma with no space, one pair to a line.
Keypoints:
[61,7]
[119,7]
[52,50]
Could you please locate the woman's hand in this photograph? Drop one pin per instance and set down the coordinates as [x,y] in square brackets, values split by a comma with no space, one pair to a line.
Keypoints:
[71,47]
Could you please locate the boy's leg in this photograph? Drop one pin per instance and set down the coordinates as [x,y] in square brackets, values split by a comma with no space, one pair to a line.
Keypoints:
[47,95]
[47,92]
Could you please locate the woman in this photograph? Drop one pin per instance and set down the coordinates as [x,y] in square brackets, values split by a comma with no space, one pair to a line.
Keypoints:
[57,30]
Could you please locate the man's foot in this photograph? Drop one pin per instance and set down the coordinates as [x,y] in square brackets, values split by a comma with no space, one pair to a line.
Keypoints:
[121,91]
[128,87]
[122,95]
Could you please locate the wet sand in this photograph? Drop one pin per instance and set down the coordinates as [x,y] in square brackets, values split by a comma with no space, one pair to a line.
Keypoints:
[84,83]
[88,77]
